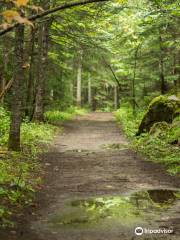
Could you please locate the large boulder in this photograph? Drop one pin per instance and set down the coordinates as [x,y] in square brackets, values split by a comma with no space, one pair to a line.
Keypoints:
[161,109]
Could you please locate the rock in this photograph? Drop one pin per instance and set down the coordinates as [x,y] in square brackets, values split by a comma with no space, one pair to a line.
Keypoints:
[177,114]
[161,109]
[158,127]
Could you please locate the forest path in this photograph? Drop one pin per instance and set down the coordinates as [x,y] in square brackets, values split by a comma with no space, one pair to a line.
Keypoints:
[91,159]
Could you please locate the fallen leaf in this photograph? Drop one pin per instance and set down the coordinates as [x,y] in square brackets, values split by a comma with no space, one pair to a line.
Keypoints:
[21,3]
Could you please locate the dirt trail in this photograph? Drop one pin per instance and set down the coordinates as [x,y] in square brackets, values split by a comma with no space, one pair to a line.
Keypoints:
[82,164]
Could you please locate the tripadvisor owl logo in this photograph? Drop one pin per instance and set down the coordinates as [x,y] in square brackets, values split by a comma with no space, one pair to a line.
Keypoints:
[139,231]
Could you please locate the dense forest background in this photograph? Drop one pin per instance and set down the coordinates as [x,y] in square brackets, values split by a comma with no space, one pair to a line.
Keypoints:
[99,56]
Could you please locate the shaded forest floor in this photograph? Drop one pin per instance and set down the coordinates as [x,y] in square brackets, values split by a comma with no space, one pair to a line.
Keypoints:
[91,160]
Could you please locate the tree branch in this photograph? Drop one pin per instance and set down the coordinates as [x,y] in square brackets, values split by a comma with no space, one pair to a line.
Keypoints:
[113,73]
[50,11]
[7,87]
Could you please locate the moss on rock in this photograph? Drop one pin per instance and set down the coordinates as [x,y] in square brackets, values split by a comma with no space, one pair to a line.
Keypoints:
[174,133]
[161,109]
[176,114]
[159,127]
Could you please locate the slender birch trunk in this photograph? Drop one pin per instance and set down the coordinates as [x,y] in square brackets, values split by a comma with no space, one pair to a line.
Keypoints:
[79,79]
[89,91]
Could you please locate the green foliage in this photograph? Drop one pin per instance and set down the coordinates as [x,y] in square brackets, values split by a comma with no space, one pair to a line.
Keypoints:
[18,181]
[32,134]
[160,145]
[76,110]
[59,116]
[19,171]
[4,125]
[127,120]
[35,134]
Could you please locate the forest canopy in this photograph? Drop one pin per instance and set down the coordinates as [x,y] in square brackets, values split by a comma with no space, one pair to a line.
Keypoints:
[92,53]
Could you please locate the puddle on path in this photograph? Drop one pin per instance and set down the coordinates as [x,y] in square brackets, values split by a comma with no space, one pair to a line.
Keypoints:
[139,207]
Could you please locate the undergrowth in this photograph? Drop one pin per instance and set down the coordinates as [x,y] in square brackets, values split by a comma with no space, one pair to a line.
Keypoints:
[160,146]
[19,172]
[57,116]
[18,182]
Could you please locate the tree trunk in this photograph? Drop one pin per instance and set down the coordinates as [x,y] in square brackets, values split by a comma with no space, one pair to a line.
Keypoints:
[133,81]
[161,76]
[30,82]
[161,67]
[94,100]
[115,97]
[79,75]
[3,70]
[71,88]
[17,90]
[89,91]
[2,84]
[176,73]
[42,70]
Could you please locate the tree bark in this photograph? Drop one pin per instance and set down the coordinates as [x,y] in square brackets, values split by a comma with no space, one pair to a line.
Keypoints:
[30,81]
[133,81]
[17,90]
[176,72]
[2,84]
[161,66]
[115,97]
[89,91]
[3,70]
[79,76]
[71,88]
[94,100]
[5,89]
[42,71]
